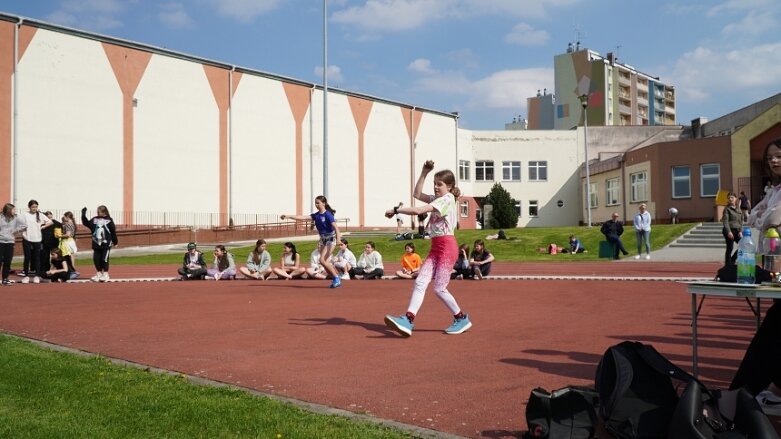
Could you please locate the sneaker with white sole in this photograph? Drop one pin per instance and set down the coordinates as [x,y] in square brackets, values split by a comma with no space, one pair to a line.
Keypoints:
[25,280]
[36,280]
[7,282]
[400,324]
[336,283]
[648,256]
[345,276]
[95,278]
[459,325]
[105,277]
[770,402]
[637,257]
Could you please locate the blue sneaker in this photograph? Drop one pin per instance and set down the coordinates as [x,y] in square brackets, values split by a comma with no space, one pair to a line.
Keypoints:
[400,324]
[459,325]
[336,283]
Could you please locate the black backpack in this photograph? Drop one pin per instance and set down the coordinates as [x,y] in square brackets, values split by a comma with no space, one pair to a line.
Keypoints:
[636,393]
[569,412]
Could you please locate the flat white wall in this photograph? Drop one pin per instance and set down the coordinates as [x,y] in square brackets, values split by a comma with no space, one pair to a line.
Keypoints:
[69,125]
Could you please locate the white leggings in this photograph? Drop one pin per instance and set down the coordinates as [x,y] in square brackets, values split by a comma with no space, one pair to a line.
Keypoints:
[437,266]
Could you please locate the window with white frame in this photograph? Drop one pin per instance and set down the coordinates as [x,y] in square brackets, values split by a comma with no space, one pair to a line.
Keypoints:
[511,171]
[538,171]
[464,209]
[518,208]
[682,182]
[464,166]
[484,170]
[593,196]
[709,179]
[533,210]
[611,192]
[639,182]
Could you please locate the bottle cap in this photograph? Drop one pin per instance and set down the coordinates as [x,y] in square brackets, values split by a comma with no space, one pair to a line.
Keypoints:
[771,233]
[746,231]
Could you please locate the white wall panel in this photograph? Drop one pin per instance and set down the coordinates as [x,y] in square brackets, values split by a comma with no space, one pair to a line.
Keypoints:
[176,139]
[342,159]
[69,125]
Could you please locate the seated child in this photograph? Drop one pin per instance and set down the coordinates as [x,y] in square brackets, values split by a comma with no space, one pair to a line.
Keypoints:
[316,270]
[461,267]
[60,270]
[574,245]
[289,264]
[410,263]
[480,260]
[193,265]
[344,261]
[370,263]
[224,266]
[258,262]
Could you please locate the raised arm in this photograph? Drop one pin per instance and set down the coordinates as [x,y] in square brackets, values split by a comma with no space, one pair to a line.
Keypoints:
[296,217]
[428,166]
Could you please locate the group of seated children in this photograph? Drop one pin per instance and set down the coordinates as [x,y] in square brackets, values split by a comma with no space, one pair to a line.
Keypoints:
[475,265]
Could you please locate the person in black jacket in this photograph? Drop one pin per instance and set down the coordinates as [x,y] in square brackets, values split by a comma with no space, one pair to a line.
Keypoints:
[104,236]
[193,264]
[613,229]
[50,241]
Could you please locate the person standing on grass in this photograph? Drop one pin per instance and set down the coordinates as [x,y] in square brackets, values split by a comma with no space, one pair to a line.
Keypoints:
[642,224]
[104,236]
[441,226]
[329,235]
[732,221]
[10,225]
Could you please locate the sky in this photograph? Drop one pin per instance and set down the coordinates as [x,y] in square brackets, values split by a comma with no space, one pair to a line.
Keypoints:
[480,58]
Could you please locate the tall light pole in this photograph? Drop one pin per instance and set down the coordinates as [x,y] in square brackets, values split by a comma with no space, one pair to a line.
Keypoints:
[325,98]
[584,103]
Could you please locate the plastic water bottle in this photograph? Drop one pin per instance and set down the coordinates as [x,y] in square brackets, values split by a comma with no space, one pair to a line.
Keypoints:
[746,258]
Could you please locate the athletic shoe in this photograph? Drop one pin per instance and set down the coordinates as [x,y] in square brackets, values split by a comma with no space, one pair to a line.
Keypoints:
[104,278]
[25,280]
[400,324]
[770,402]
[345,276]
[95,278]
[336,283]
[36,280]
[459,325]
[648,256]
[7,282]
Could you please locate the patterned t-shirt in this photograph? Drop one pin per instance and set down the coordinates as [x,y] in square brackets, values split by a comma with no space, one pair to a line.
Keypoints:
[443,219]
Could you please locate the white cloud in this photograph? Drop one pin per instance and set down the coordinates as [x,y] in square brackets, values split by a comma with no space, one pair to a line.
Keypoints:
[175,15]
[754,23]
[98,15]
[334,73]
[732,6]
[704,71]
[399,15]
[244,10]
[525,35]
[421,65]
[464,57]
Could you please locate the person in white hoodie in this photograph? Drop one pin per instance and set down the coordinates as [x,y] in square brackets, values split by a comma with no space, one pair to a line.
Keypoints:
[32,242]
[10,224]
[642,225]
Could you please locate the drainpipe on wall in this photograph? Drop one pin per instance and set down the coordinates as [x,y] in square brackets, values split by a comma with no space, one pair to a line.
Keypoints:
[15,112]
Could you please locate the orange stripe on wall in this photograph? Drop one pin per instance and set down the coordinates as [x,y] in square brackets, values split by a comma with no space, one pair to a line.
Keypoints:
[412,122]
[129,66]
[218,80]
[361,108]
[298,99]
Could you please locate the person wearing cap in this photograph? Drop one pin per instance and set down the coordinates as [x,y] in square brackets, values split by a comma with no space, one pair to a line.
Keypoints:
[193,264]
[613,229]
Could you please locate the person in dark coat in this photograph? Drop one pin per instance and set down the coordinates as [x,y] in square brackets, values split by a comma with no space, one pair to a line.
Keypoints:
[613,229]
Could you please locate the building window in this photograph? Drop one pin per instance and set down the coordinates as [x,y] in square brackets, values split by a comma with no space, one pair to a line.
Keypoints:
[464,166]
[682,182]
[532,208]
[538,171]
[484,171]
[593,196]
[639,186]
[464,209]
[511,171]
[709,179]
[611,192]
[518,208]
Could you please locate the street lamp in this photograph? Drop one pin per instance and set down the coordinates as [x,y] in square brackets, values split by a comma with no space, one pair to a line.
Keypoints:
[584,102]
[325,98]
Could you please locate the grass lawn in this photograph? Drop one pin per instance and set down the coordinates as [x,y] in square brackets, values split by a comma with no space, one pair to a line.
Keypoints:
[49,394]
[522,245]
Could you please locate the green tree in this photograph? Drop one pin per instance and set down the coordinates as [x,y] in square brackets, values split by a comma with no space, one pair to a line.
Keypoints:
[503,213]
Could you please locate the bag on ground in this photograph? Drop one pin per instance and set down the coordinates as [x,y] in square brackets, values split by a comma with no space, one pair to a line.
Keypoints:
[729,273]
[565,413]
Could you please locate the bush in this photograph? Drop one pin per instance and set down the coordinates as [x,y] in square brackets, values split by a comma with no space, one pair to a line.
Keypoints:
[503,213]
